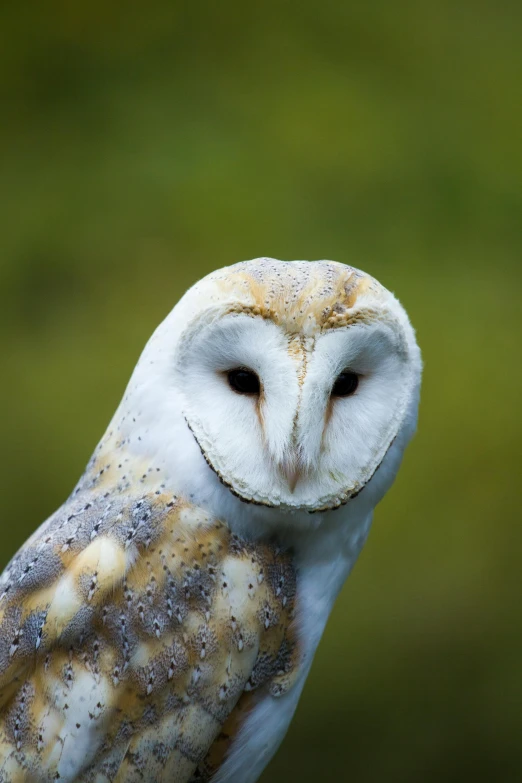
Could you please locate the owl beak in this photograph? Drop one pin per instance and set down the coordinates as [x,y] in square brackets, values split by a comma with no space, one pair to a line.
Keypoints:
[292,473]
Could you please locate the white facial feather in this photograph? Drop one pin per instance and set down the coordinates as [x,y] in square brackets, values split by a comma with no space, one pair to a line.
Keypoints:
[297,325]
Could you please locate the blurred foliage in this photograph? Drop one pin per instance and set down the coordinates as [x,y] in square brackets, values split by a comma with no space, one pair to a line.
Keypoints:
[145,145]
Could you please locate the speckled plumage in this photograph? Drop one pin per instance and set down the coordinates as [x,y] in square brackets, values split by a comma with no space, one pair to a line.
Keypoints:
[131,623]
[160,625]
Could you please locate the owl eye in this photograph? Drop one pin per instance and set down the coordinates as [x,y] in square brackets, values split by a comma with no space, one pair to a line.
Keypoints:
[243,381]
[345,384]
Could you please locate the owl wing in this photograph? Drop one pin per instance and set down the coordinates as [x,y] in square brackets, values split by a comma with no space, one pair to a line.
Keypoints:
[130,626]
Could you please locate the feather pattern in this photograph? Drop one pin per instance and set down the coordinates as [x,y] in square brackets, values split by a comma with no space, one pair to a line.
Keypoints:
[130,626]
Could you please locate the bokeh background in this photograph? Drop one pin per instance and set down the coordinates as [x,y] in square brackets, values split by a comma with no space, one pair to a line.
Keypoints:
[144,145]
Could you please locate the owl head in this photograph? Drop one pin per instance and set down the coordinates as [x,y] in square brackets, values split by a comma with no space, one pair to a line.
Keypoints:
[290,380]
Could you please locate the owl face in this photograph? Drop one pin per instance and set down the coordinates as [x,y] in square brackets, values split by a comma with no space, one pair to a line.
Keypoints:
[294,379]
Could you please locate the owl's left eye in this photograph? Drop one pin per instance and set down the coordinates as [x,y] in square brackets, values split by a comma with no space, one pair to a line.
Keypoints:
[345,384]
[243,381]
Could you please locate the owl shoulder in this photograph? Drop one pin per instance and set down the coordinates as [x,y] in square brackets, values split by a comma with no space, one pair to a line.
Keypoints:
[149,596]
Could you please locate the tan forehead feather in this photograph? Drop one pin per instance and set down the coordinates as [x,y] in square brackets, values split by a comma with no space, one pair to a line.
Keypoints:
[300,296]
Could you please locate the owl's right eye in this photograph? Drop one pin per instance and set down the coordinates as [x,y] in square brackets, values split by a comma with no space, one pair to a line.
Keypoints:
[243,381]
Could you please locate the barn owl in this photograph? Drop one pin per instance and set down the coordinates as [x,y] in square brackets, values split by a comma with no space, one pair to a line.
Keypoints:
[161,624]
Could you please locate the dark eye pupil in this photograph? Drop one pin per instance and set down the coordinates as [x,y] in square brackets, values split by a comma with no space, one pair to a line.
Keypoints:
[345,384]
[243,381]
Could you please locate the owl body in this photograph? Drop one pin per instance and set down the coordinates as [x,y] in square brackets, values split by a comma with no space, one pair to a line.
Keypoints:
[160,626]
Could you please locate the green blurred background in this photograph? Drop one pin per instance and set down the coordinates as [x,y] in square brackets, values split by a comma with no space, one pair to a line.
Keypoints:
[144,145]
